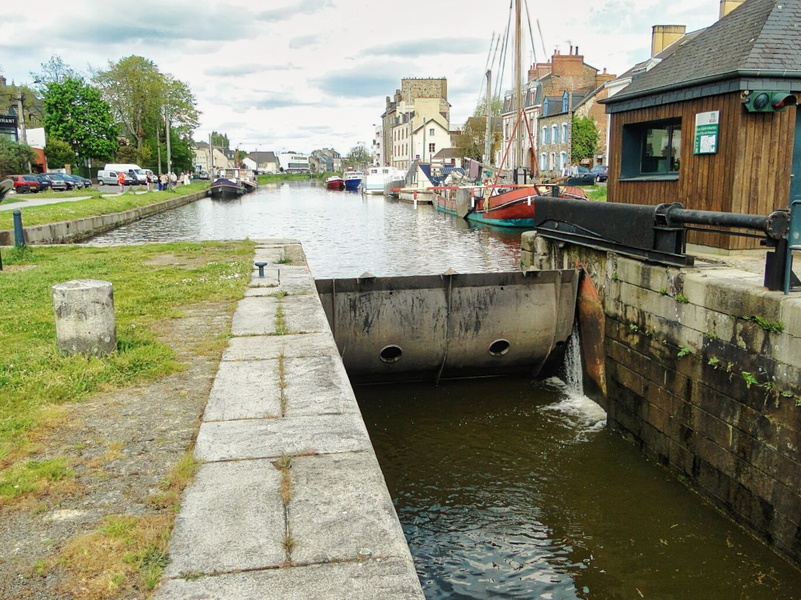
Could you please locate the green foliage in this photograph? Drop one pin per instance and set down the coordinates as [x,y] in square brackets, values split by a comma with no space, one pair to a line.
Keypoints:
[495,107]
[714,361]
[55,70]
[584,138]
[749,379]
[76,114]
[220,139]
[14,157]
[771,326]
[127,154]
[684,351]
[358,157]
[27,477]
[682,299]
[470,142]
[59,153]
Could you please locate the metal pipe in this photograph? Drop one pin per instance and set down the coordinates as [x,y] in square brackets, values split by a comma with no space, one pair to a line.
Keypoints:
[776,225]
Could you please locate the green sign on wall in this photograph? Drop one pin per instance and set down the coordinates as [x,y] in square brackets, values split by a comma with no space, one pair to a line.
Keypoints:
[706,132]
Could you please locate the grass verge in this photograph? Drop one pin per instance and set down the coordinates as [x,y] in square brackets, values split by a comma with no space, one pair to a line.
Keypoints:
[151,282]
[94,205]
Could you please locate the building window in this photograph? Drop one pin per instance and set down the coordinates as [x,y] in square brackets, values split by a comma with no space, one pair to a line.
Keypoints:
[545,137]
[652,148]
[431,148]
[562,160]
[555,134]
[431,132]
[565,134]
[543,161]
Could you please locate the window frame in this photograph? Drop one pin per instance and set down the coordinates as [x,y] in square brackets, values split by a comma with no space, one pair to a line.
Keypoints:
[635,136]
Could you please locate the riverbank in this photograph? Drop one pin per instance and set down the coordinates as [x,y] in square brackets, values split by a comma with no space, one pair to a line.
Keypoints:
[67,221]
[94,453]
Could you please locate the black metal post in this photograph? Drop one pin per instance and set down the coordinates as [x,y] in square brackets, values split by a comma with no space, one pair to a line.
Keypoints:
[19,234]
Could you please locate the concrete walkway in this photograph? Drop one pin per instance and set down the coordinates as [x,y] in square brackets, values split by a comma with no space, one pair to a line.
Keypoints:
[289,500]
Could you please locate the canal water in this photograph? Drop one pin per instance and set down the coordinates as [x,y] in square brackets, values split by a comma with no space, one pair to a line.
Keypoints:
[506,488]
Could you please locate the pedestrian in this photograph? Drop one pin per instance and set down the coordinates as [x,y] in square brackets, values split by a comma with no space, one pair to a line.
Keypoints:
[162,182]
[173,180]
[121,181]
[187,178]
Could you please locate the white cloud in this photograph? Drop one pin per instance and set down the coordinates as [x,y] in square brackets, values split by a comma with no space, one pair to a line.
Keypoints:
[303,74]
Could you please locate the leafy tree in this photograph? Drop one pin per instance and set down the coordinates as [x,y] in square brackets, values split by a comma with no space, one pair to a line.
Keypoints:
[134,89]
[55,70]
[496,107]
[357,157]
[59,153]
[14,158]
[220,140]
[584,139]
[75,113]
[127,154]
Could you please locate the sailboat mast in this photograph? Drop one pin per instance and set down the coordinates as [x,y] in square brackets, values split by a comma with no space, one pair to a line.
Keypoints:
[488,126]
[518,85]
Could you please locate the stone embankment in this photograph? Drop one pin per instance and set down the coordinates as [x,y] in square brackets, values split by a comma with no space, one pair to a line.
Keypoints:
[700,366]
[289,500]
[77,230]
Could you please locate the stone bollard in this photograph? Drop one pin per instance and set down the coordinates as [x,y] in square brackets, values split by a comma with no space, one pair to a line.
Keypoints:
[85,322]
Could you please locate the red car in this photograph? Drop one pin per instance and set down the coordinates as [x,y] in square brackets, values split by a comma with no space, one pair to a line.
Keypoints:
[25,183]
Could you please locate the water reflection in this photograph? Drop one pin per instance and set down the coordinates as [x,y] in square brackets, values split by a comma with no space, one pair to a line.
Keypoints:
[343,234]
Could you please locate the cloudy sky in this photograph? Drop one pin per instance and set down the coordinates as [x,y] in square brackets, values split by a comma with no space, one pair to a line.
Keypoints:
[305,74]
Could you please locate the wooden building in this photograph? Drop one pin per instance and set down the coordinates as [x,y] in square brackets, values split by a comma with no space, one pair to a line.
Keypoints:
[691,130]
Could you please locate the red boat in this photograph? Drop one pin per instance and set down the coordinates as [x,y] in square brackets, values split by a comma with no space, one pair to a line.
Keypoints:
[499,205]
[335,182]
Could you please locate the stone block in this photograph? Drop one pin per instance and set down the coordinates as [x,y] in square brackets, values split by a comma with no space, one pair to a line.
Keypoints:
[341,506]
[265,347]
[245,390]
[317,386]
[303,313]
[255,316]
[231,518]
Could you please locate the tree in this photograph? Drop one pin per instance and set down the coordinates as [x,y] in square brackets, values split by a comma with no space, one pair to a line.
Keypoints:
[59,153]
[219,140]
[584,139]
[75,113]
[358,157]
[55,71]
[14,157]
[134,89]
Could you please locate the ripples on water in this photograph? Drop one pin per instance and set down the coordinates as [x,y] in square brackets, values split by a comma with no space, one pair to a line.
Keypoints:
[512,489]
[344,234]
[505,488]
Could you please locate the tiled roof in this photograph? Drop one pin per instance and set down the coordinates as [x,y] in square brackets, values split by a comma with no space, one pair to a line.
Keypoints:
[758,37]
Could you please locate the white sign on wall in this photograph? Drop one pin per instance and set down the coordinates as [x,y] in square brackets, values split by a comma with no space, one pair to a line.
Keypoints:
[706,132]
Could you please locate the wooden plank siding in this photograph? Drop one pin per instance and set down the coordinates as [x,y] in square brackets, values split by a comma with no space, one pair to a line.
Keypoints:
[749,174]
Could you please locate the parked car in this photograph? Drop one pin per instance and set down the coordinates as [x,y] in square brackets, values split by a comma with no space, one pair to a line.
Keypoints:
[203,175]
[86,182]
[49,183]
[584,177]
[77,182]
[25,183]
[601,172]
[63,177]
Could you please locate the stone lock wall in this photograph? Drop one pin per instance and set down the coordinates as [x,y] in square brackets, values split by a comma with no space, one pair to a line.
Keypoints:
[702,368]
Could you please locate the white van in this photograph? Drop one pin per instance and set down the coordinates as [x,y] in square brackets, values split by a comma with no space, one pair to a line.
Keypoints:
[108,175]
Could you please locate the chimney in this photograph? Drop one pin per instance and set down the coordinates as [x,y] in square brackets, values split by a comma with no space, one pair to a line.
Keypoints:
[663,36]
[726,6]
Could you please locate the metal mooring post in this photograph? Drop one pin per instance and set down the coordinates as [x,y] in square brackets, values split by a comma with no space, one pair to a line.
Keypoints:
[19,234]
[260,266]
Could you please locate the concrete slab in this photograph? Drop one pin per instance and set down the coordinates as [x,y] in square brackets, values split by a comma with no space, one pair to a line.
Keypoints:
[255,316]
[340,510]
[317,386]
[245,390]
[368,580]
[231,518]
[303,313]
[269,438]
[295,280]
[264,347]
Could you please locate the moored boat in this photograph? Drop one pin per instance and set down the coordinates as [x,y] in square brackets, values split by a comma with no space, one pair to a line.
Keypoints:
[224,188]
[335,182]
[377,178]
[353,179]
